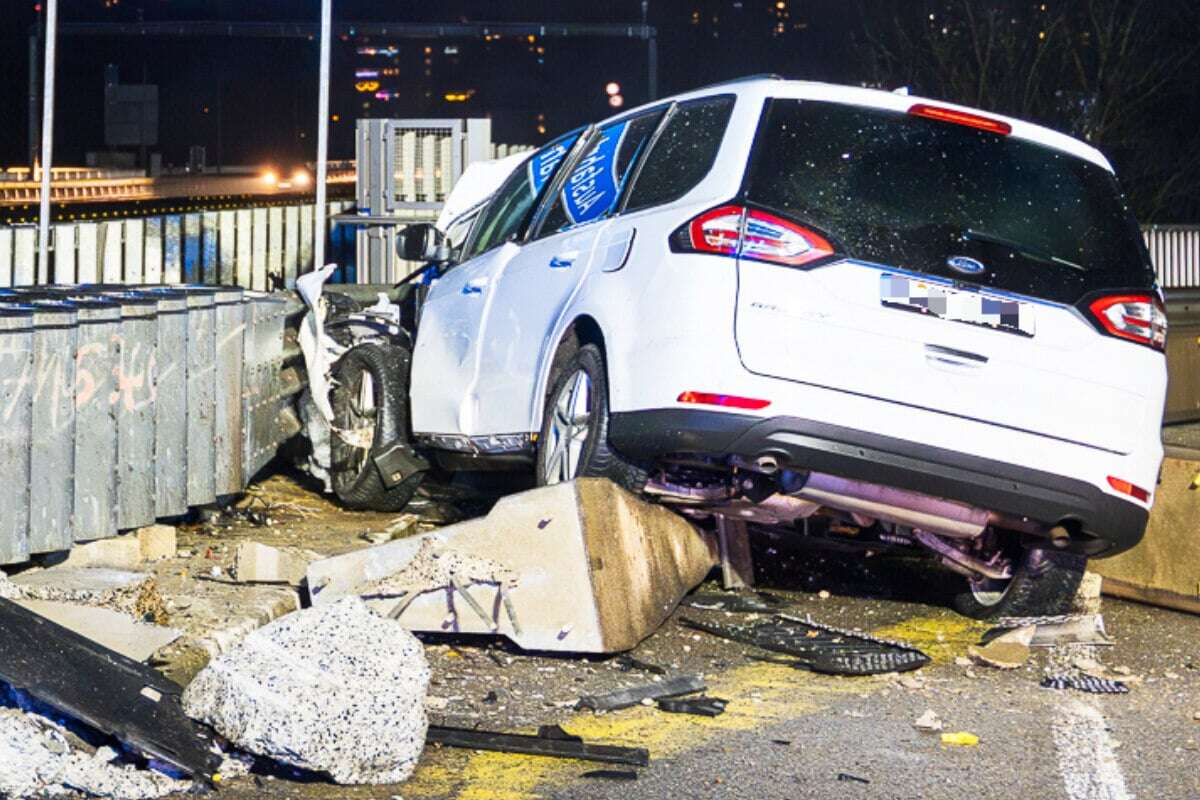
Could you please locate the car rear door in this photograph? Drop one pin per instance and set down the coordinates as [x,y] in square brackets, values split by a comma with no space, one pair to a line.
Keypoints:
[946,272]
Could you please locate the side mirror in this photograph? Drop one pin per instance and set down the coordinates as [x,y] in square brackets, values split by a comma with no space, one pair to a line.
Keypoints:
[421,241]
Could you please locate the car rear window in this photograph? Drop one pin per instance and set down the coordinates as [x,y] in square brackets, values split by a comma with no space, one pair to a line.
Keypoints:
[683,153]
[912,192]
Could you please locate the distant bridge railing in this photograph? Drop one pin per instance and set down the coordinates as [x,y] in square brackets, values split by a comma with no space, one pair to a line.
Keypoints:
[1175,253]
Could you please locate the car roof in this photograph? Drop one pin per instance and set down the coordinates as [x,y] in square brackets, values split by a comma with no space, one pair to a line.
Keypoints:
[762,87]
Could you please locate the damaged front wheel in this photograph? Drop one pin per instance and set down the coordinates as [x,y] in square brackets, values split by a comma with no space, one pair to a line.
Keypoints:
[370,415]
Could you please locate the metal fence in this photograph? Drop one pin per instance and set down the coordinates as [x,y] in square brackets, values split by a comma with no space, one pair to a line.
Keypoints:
[255,248]
[122,405]
[1175,253]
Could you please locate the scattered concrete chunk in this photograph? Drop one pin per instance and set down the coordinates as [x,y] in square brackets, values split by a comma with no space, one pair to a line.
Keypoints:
[111,629]
[1008,651]
[119,552]
[261,563]
[133,593]
[580,567]
[36,760]
[928,722]
[334,689]
[156,542]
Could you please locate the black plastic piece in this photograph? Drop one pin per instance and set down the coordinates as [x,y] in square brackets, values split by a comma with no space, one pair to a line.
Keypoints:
[702,706]
[1086,683]
[551,741]
[612,774]
[628,663]
[624,698]
[104,689]
[398,462]
[820,648]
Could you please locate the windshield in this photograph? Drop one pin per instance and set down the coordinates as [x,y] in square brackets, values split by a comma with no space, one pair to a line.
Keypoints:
[912,192]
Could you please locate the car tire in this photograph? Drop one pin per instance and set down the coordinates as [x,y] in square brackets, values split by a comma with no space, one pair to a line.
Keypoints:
[585,451]
[1043,585]
[370,412]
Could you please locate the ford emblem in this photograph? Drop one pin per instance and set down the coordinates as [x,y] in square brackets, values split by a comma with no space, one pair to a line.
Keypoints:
[965,264]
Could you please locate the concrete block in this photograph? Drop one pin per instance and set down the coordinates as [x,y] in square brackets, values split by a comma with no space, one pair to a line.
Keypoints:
[111,629]
[1165,568]
[119,552]
[260,563]
[585,567]
[132,593]
[335,688]
[157,542]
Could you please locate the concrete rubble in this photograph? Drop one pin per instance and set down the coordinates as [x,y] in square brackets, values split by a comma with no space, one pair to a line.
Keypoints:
[582,567]
[38,759]
[335,689]
[260,563]
[132,593]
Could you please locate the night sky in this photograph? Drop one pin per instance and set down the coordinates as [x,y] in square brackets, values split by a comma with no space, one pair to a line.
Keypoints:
[532,90]
[252,101]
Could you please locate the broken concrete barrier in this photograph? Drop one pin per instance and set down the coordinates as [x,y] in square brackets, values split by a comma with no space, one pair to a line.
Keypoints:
[334,689]
[132,593]
[260,563]
[582,567]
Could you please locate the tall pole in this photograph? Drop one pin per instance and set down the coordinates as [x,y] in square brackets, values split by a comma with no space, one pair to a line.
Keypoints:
[43,275]
[319,225]
[35,101]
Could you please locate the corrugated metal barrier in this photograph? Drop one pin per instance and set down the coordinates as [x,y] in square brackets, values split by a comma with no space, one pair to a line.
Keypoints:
[1175,253]
[124,404]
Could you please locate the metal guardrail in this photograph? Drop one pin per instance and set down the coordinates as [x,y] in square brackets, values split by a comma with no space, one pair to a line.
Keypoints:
[121,405]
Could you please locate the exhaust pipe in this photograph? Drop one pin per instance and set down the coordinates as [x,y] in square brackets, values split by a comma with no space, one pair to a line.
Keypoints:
[911,509]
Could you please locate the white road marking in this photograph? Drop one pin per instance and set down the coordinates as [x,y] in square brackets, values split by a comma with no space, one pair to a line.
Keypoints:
[1086,756]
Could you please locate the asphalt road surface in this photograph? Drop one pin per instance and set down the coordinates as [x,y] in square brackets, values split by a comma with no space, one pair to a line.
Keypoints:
[791,734]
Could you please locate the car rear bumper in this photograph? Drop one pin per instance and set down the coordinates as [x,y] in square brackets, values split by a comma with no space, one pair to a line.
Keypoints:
[1109,524]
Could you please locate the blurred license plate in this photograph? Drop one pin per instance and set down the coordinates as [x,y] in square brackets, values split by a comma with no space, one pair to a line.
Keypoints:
[944,302]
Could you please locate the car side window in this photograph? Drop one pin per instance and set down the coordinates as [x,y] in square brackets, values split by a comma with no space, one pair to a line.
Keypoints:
[508,212]
[683,154]
[595,184]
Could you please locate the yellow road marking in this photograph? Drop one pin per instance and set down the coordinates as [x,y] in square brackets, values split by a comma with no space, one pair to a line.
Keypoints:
[759,694]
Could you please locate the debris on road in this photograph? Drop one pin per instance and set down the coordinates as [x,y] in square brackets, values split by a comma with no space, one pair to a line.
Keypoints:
[627,663]
[625,698]
[821,648]
[551,740]
[612,774]
[132,593]
[103,689]
[107,628]
[580,567]
[960,739]
[1007,651]
[929,722]
[702,706]
[847,777]
[38,760]
[757,603]
[334,689]
[1085,683]
[255,562]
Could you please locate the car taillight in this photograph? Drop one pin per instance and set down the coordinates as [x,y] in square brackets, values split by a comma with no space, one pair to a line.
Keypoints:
[961,118]
[1125,487]
[1139,318]
[734,230]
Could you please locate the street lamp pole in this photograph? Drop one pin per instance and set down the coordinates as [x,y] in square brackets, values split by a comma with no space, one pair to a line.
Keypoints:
[43,273]
[320,226]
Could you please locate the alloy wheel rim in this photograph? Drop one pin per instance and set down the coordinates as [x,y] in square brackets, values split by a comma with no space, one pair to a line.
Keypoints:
[567,435]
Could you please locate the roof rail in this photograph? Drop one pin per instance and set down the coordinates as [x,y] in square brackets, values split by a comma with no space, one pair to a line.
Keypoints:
[761,76]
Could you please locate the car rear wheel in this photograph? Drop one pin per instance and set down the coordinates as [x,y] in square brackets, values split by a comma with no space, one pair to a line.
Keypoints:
[370,413]
[1043,584]
[573,441]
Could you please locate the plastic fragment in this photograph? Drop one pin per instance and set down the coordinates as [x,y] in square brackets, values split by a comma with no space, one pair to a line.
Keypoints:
[960,739]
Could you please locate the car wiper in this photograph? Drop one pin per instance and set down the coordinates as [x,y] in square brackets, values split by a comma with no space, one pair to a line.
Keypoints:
[1025,250]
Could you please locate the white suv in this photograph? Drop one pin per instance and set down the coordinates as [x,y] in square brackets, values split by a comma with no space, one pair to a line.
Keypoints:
[936,327]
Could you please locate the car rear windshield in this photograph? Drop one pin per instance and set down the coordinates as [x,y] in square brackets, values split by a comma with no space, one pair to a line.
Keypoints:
[913,192]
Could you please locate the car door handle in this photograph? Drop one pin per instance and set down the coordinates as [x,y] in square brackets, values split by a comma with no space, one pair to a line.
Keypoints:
[475,286]
[936,355]
[564,260]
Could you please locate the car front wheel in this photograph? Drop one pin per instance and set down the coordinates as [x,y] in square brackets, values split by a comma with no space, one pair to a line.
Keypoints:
[573,441]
